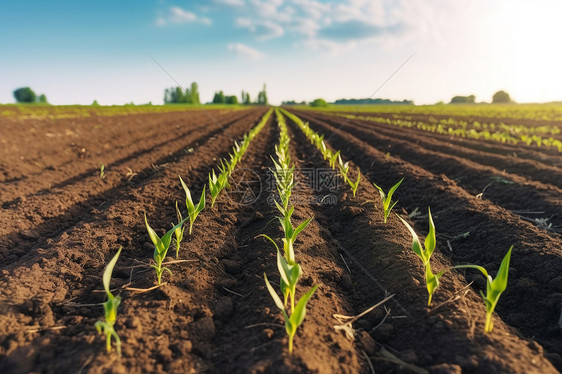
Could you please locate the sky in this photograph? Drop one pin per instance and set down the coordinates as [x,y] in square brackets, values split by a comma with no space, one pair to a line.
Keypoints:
[116,52]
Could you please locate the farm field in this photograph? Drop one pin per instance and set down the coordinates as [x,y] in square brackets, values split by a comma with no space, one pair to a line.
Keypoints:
[64,217]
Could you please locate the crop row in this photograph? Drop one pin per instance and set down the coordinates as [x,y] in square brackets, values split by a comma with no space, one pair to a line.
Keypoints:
[162,244]
[290,270]
[327,153]
[536,112]
[513,134]
[494,288]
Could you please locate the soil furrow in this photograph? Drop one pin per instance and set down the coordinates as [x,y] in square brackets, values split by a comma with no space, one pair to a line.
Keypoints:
[543,155]
[478,233]
[113,151]
[510,191]
[59,210]
[533,170]
[70,278]
[384,250]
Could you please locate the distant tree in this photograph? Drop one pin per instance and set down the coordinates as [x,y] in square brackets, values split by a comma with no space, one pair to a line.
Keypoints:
[219,98]
[247,100]
[463,99]
[262,97]
[231,99]
[194,93]
[95,103]
[319,103]
[24,95]
[501,97]
[42,99]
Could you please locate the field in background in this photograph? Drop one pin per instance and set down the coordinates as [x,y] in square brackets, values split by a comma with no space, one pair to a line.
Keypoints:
[63,220]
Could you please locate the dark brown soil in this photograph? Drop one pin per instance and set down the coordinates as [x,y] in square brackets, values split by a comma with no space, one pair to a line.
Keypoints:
[61,223]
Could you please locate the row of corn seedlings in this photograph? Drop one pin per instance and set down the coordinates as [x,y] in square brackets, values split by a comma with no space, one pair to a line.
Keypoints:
[334,158]
[494,287]
[289,269]
[162,244]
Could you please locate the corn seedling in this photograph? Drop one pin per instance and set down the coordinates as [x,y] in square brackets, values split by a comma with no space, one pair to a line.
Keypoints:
[110,308]
[291,233]
[431,280]
[297,316]
[355,184]
[161,246]
[387,198]
[494,287]
[192,209]
[217,184]
[102,171]
[179,231]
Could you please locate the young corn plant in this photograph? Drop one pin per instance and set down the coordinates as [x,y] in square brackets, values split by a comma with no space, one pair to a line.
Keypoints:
[290,272]
[179,231]
[291,233]
[494,287]
[431,279]
[387,198]
[217,184]
[296,318]
[110,308]
[161,246]
[192,209]
[355,184]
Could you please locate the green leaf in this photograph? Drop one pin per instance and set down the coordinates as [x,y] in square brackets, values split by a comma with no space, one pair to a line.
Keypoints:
[108,271]
[188,199]
[430,238]
[298,315]
[155,239]
[300,228]
[416,245]
[500,282]
[393,189]
[273,294]
[381,192]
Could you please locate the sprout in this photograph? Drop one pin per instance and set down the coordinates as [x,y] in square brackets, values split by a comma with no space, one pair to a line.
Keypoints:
[431,280]
[161,246]
[494,287]
[297,316]
[291,233]
[102,171]
[110,308]
[179,231]
[193,210]
[387,199]
[356,184]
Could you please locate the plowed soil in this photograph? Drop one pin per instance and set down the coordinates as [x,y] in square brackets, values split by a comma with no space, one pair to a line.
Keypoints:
[61,223]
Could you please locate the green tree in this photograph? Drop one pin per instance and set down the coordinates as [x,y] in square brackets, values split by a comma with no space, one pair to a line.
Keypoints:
[219,98]
[42,99]
[319,103]
[24,95]
[463,99]
[231,99]
[501,97]
[262,97]
[194,92]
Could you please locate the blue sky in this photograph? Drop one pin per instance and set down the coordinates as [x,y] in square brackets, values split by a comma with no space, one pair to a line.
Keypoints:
[78,51]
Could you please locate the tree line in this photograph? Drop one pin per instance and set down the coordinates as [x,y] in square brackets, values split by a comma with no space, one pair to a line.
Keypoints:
[176,95]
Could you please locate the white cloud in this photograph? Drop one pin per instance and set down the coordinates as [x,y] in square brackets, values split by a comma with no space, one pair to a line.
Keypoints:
[246,52]
[235,3]
[179,15]
[263,30]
